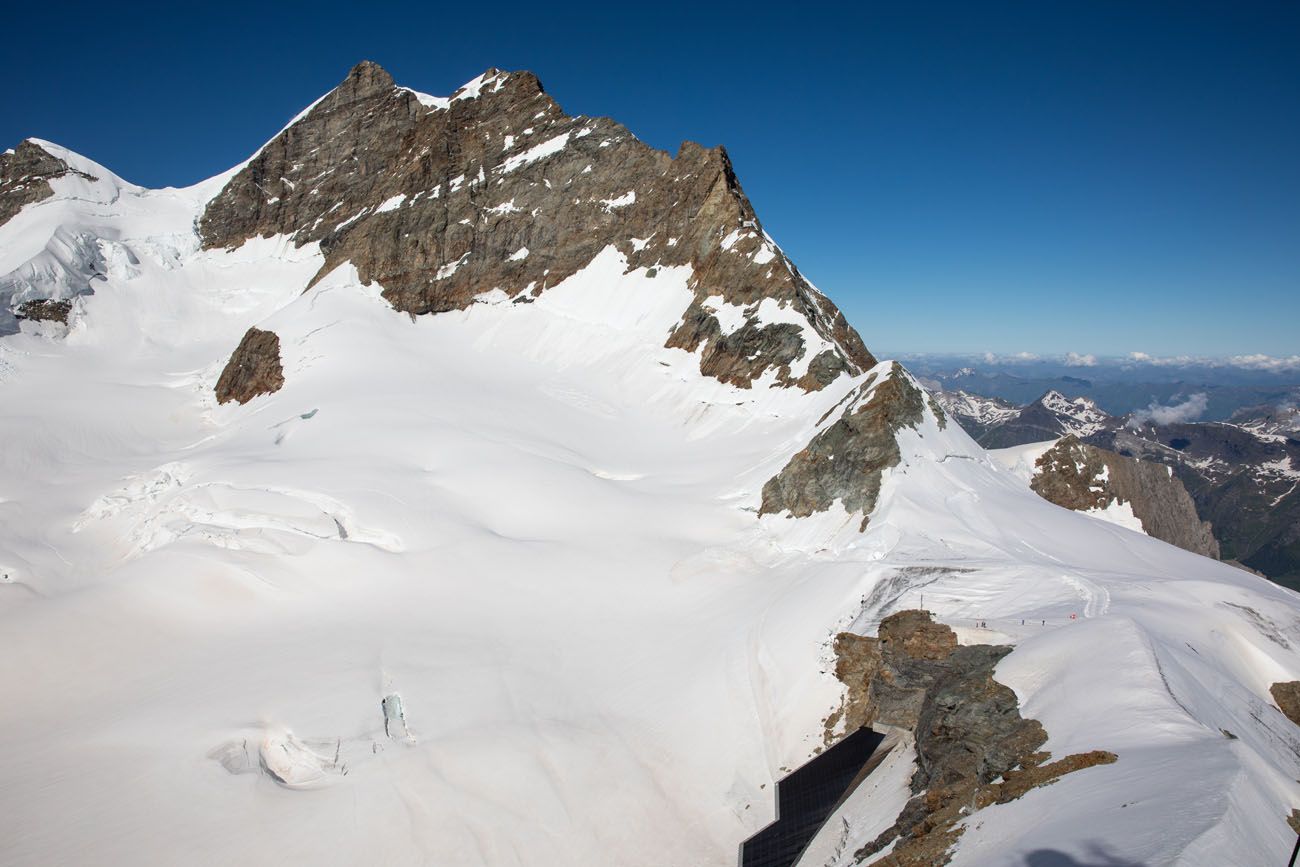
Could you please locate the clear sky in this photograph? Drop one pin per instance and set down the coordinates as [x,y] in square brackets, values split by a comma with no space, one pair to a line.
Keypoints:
[1098,177]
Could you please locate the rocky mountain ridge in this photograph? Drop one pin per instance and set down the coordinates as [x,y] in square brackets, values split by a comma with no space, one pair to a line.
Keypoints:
[496,189]
[997,424]
[1083,477]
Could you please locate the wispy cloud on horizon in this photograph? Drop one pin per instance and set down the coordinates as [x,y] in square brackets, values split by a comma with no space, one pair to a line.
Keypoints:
[1189,410]
[1257,361]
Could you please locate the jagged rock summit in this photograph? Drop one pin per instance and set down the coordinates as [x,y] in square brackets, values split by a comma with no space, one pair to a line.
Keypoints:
[496,189]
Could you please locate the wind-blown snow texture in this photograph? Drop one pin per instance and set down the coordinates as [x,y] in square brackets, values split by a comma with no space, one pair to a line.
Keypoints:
[490,586]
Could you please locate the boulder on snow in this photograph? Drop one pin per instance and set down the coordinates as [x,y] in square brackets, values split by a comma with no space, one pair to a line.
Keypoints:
[253,369]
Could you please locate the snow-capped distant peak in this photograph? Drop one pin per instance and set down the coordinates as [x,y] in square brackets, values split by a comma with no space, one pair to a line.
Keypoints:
[1080,415]
[1057,402]
[986,411]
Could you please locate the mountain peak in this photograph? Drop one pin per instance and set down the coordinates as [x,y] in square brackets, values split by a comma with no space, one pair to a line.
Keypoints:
[27,170]
[368,75]
[440,200]
[1058,402]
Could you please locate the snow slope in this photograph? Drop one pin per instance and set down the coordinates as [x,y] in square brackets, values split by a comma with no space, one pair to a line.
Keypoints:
[537,526]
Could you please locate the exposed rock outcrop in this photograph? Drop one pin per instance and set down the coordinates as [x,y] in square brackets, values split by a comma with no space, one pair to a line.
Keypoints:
[1287,695]
[1079,476]
[973,747]
[253,369]
[25,176]
[440,201]
[846,460]
[44,310]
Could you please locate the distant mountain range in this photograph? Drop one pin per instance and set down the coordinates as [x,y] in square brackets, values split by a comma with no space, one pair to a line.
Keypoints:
[1116,386]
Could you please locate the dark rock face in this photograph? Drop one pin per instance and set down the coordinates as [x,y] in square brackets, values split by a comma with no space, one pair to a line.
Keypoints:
[1080,476]
[25,177]
[846,460]
[888,676]
[500,189]
[1287,695]
[973,747]
[253,369]
[45,310]
[1243,484]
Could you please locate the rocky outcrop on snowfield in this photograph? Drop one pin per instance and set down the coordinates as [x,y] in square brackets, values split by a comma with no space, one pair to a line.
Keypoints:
[25,175]
[253,369]
[846,460]
[496,189]
[1287,696]
[973,748]
[1085,478]
[44,310]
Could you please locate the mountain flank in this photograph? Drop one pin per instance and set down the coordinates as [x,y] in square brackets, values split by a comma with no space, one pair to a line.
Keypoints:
[1083,477]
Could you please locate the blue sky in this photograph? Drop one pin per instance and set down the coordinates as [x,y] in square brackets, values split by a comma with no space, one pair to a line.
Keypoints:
[1099,177]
